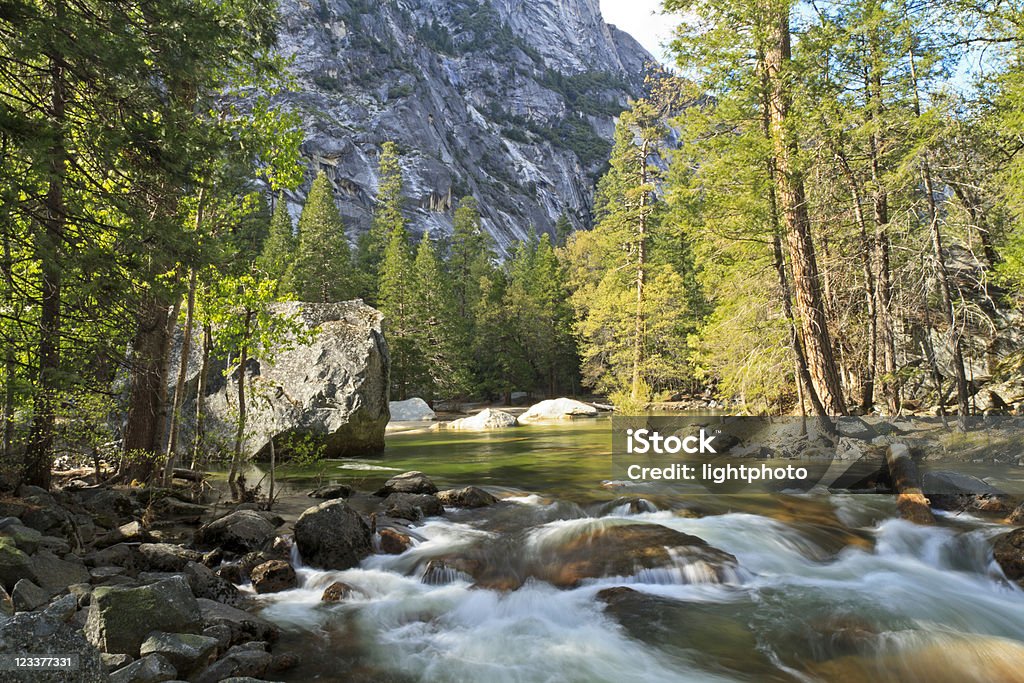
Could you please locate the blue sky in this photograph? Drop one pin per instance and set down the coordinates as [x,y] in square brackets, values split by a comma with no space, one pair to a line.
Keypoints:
[642,20]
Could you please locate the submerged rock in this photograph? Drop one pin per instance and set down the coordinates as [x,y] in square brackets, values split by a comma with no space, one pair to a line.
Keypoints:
[337,592]
[393,542]
[558,409]
[488,418]
[411,410]
[332,536]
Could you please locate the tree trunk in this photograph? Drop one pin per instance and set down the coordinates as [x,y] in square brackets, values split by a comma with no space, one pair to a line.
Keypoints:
[793,209]
[938,253]
[179,386]
[641,264]
[9,360]
[204,368]
[39,454]
[236,460]
[148,389]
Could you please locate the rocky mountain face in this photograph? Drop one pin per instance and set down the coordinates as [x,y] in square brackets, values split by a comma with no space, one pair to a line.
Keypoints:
[511,101]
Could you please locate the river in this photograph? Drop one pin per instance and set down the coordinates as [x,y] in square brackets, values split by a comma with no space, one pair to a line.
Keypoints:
[828,587]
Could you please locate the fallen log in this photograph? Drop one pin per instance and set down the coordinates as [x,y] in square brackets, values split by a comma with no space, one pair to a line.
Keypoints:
[910,500]
[188,475]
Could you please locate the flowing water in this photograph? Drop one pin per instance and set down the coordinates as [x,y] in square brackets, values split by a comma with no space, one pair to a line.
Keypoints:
[827,588]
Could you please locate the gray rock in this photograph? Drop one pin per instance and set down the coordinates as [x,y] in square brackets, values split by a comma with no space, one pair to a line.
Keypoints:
[468,497]
[332,536]
[116,661]
[167,557]
[273,576]
[39,634]
[206,584]
[187,652]
[486,419]
[64,608]
[239,661]
[240,531]
[111,503]
[412,506]
[331,492]
[149,669]
[26,596]
[333,388]
[119,555]
[408,482]
[14,564]
[25,538]
[410,410]
[120,617]
[54,574]
[243,625]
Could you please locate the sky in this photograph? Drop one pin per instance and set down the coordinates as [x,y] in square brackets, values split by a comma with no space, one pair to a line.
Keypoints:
[642,20]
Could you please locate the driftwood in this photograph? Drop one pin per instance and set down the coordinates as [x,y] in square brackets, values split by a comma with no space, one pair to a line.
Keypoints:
[910,501]
[188,475]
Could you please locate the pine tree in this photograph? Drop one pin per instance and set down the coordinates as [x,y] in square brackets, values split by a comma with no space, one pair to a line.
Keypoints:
[387,217]
[563,229]
[322,270]
[436,329]
[396,300]
[280,247]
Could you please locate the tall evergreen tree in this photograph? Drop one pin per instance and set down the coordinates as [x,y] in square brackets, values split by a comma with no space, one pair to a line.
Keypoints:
[396,300]
[279,250]
[387,217]
[322,270]
[436,328]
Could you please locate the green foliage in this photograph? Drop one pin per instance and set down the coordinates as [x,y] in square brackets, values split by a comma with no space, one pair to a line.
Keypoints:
[280,247]
[322,269]
[387,220]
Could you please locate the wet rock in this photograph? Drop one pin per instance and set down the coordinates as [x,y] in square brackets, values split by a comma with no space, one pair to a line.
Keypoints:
[947,490]
[337,592]
[27,596]
[148,669]
[120,617]
[14,564]
[487,418]
[243,626]
[41,634]
[468,497]
[408,482]
[331,492]
[167,557]
[1008,551]
[187,652]
[240,531]
[207,584]
[393,542]
[332,536]
[411,410]
[557,409]
[412,506]
[273,577]
[1017,516]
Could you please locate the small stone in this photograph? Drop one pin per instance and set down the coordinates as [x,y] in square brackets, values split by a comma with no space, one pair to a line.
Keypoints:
[337,592]
[148,669]
[408,482]
[331,492]
[468,497]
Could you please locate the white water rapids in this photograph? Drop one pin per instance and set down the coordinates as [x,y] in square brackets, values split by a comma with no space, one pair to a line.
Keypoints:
[911,603]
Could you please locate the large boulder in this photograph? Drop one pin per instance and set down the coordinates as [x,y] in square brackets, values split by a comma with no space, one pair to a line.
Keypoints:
[41,633]
[55,574]
[120,617]
[332,536]
[14,564]
[557,409]
[411,410]
[167,557]
[240,531]
[488,418]
[332,386]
